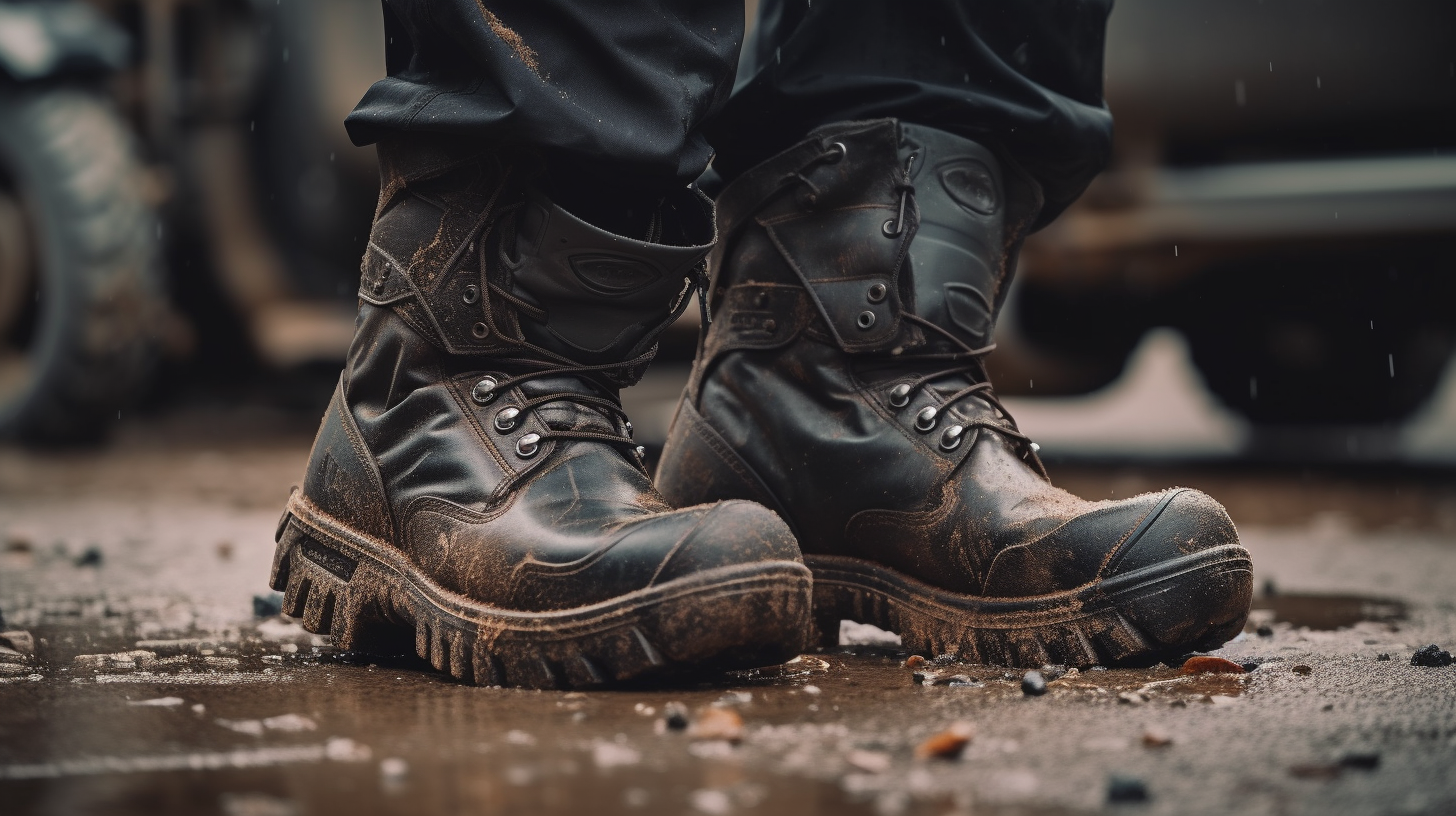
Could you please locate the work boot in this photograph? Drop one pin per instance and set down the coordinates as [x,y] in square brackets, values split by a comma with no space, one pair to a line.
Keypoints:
[474,482]
[840,383]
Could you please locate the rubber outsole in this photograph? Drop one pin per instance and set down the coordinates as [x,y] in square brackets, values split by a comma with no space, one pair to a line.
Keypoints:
[369,597]
[1196,602]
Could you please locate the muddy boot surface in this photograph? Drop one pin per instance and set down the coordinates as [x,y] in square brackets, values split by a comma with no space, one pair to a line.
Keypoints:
[474,490]
[857,280]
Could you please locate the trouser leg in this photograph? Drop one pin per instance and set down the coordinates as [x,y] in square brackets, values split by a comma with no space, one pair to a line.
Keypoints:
[610,95]
[1022,77]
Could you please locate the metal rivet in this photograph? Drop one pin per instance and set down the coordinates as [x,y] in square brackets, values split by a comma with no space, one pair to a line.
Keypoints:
[877,292]
[484,391]
[925,420]
[640,451]
[837,152]
[865,319]
[480,330]
[951,439]
[472,294]
[770,326]
[1035,447]
[900,395]
[505,421]
[627,426]
[528,445]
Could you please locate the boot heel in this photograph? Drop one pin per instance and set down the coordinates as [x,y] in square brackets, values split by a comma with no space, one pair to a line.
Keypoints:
[327,589]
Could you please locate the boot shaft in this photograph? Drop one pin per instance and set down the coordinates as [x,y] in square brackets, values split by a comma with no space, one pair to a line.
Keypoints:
[873,221]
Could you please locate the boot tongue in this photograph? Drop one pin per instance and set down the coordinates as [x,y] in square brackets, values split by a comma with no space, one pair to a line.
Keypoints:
[606,297]
[958,256]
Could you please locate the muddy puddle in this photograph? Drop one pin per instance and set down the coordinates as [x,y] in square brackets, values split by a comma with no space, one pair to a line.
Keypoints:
[1325,612]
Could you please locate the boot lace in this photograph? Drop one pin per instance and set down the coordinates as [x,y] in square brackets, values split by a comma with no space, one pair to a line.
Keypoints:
[537,362]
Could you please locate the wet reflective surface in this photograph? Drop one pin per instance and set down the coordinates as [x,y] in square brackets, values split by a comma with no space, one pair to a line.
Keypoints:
[163,681]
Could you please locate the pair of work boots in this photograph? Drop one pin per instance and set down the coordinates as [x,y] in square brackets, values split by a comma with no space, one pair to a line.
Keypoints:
[838,453]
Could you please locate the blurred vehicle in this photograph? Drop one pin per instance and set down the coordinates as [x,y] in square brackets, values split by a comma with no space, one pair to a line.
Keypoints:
[1283,193]
[80,281]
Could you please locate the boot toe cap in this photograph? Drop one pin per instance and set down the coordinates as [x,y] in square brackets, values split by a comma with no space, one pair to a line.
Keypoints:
[728,534]
[1181,523]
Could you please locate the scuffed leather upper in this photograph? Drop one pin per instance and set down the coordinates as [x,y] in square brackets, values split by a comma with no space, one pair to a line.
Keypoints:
[414,453]
[791,401]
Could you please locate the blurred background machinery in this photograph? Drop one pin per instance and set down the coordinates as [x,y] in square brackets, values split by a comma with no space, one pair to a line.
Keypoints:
[1282,204]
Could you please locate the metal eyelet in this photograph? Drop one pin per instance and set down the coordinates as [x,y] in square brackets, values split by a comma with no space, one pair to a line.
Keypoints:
[865,319]
[925,420]
[900,395]
[528,445]
[891,229]
[480,330]
[877,293]
[640,451]
[837,152]
[505,421]
[627,426]
[951,438]
[472,294]
[484,391]
[1035,447]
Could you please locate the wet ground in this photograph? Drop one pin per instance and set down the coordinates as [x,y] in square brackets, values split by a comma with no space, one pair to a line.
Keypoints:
[162,681]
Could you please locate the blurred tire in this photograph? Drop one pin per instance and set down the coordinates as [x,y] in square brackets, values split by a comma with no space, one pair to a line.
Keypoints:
[81,298]
[1350,336]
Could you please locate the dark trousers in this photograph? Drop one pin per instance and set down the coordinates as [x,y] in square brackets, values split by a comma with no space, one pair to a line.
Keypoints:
[632,97]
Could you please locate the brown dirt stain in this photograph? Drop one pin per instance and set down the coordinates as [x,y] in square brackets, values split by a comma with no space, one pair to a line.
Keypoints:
[524,52]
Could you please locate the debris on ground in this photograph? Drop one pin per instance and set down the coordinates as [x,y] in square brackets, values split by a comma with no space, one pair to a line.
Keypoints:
[675,716]
[1204,664]
[1383,657]
[717,724]
[1125,789]
[266,606]
[1325,771]
[159,702]
[869,761]
[1302,670]
[614,754]
[90,558]
[915,662]
[135,659]
[1361,760]
[1264,631]
[1433,656]
[17,641]
[947,744]
[852,633]
[1033,684]
[1154,737]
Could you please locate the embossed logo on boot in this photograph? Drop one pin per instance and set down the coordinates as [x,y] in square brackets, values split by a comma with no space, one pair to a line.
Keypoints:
[969,309]
[611,275]
[971,185]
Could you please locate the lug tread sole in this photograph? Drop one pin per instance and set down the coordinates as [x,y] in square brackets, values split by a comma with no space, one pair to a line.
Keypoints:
[369,597]
[1138,617]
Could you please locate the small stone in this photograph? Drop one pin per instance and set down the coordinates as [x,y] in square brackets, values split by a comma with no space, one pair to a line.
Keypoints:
[1154,737]
[1203,664]
[1033,684]
[1132,698]
[1264,631]
[1383,657]
[1123,789]
[90,558]
[869,761]
[1053,672]
[947,744]
[1302,670]
[717,724]
[1432,656]
[393,768]
[266,606]
[675,716]
[18,640]
[915,662]
[290,722]
[1361,760]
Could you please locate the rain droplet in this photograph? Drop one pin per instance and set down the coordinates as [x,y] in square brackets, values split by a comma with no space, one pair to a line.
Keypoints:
[1391,357]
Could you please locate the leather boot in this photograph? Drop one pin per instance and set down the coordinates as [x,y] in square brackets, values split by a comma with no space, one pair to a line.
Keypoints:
[840,383]
[474,483]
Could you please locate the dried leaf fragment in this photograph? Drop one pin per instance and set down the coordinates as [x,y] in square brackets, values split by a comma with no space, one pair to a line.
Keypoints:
[717,724]
[1210,665]
[947,744]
